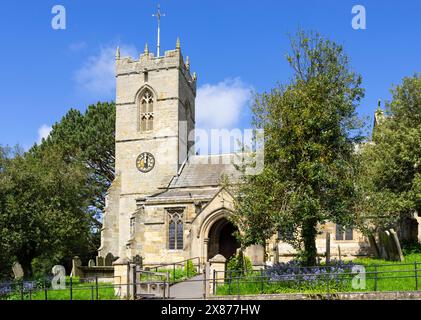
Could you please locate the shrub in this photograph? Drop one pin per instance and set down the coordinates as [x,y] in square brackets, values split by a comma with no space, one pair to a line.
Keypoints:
[239,265]
[189,269]
[294,273]
[411,247]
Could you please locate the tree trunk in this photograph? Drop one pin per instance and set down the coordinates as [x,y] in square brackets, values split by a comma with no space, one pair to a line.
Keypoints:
[309,234]
[26,267]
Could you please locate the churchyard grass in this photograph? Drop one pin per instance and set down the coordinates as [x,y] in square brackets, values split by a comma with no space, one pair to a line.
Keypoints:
[80,291]
[392,276]
[381,275]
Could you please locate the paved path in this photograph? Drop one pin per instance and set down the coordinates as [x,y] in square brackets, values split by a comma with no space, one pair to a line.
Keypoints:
[189,289]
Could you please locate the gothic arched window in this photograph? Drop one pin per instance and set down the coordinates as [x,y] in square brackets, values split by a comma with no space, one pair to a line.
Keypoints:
[175,229]
[146,111]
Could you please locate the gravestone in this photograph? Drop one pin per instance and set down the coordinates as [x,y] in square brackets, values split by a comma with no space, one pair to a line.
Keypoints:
[383,245]
[17,270]
[76,264]
[91,263]
[373,246]
[389,246]
[108,261]
[397,246]
[100,261]
[256,254]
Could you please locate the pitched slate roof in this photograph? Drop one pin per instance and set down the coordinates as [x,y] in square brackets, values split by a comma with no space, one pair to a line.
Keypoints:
[201,171]
[183,194]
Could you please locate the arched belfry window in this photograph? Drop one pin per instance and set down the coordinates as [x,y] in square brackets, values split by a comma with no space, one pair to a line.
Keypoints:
[146,111]
[175,229]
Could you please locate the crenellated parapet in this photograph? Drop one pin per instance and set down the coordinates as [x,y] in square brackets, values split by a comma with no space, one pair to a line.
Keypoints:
[148,62]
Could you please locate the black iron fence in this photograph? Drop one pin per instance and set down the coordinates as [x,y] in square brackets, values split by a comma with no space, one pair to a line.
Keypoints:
[94,288]
[323,280]
[326,280]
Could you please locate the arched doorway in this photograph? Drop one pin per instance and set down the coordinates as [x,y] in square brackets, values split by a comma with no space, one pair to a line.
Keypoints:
[222,239]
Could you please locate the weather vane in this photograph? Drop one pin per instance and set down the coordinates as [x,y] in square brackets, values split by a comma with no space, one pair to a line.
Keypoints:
[158,15]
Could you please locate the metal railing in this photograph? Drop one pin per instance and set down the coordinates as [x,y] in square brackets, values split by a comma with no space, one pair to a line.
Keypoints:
[379,278]
[173,267]
[93,288]
[304,279]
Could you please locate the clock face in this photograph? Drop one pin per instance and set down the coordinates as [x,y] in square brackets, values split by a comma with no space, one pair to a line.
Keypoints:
[145,162]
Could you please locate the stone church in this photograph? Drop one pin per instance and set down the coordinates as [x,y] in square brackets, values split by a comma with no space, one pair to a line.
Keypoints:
[166,203]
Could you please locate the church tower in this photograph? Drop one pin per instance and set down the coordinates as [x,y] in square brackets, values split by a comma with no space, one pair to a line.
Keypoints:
[155,102]
[155,112]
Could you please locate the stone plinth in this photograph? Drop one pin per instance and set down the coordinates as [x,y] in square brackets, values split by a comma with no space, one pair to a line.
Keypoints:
[122,279]
[217,266]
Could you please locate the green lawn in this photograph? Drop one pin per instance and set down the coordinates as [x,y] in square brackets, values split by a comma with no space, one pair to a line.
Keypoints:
[80,291]
[391,276]
[396,276]
[87,290]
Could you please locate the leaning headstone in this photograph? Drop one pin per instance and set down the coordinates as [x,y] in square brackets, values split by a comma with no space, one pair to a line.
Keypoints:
[383,243]
[100,261]
[396,244]
[255,253]
[373,246]
[391,247]
[17,270]
[91,263]
[108,261]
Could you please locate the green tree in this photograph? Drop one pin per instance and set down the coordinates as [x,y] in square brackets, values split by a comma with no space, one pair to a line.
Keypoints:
[310,128]
[5,257]
[43,209]
[89,138]
[51,197]
[390,173]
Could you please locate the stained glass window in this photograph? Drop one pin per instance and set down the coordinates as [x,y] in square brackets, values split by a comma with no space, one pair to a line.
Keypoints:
[172,235]
[175,229]
[180,235]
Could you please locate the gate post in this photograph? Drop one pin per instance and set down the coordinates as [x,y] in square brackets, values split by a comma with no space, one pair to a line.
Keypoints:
[217,267]
[122,278]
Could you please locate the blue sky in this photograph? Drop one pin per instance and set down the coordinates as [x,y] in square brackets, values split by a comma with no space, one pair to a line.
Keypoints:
[234,46]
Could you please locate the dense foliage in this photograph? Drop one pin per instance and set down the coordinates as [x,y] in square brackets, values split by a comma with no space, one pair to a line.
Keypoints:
[310,129]
[51,196]
[390,177]
[239,265]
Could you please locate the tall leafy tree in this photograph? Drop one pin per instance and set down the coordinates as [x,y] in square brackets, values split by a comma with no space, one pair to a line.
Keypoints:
[390,176]
[310,128]
[52,196]
[89,138]
[43,207]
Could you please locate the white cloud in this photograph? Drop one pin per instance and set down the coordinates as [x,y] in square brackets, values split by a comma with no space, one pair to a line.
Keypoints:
[97,75]
[44,132]
[220,106]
